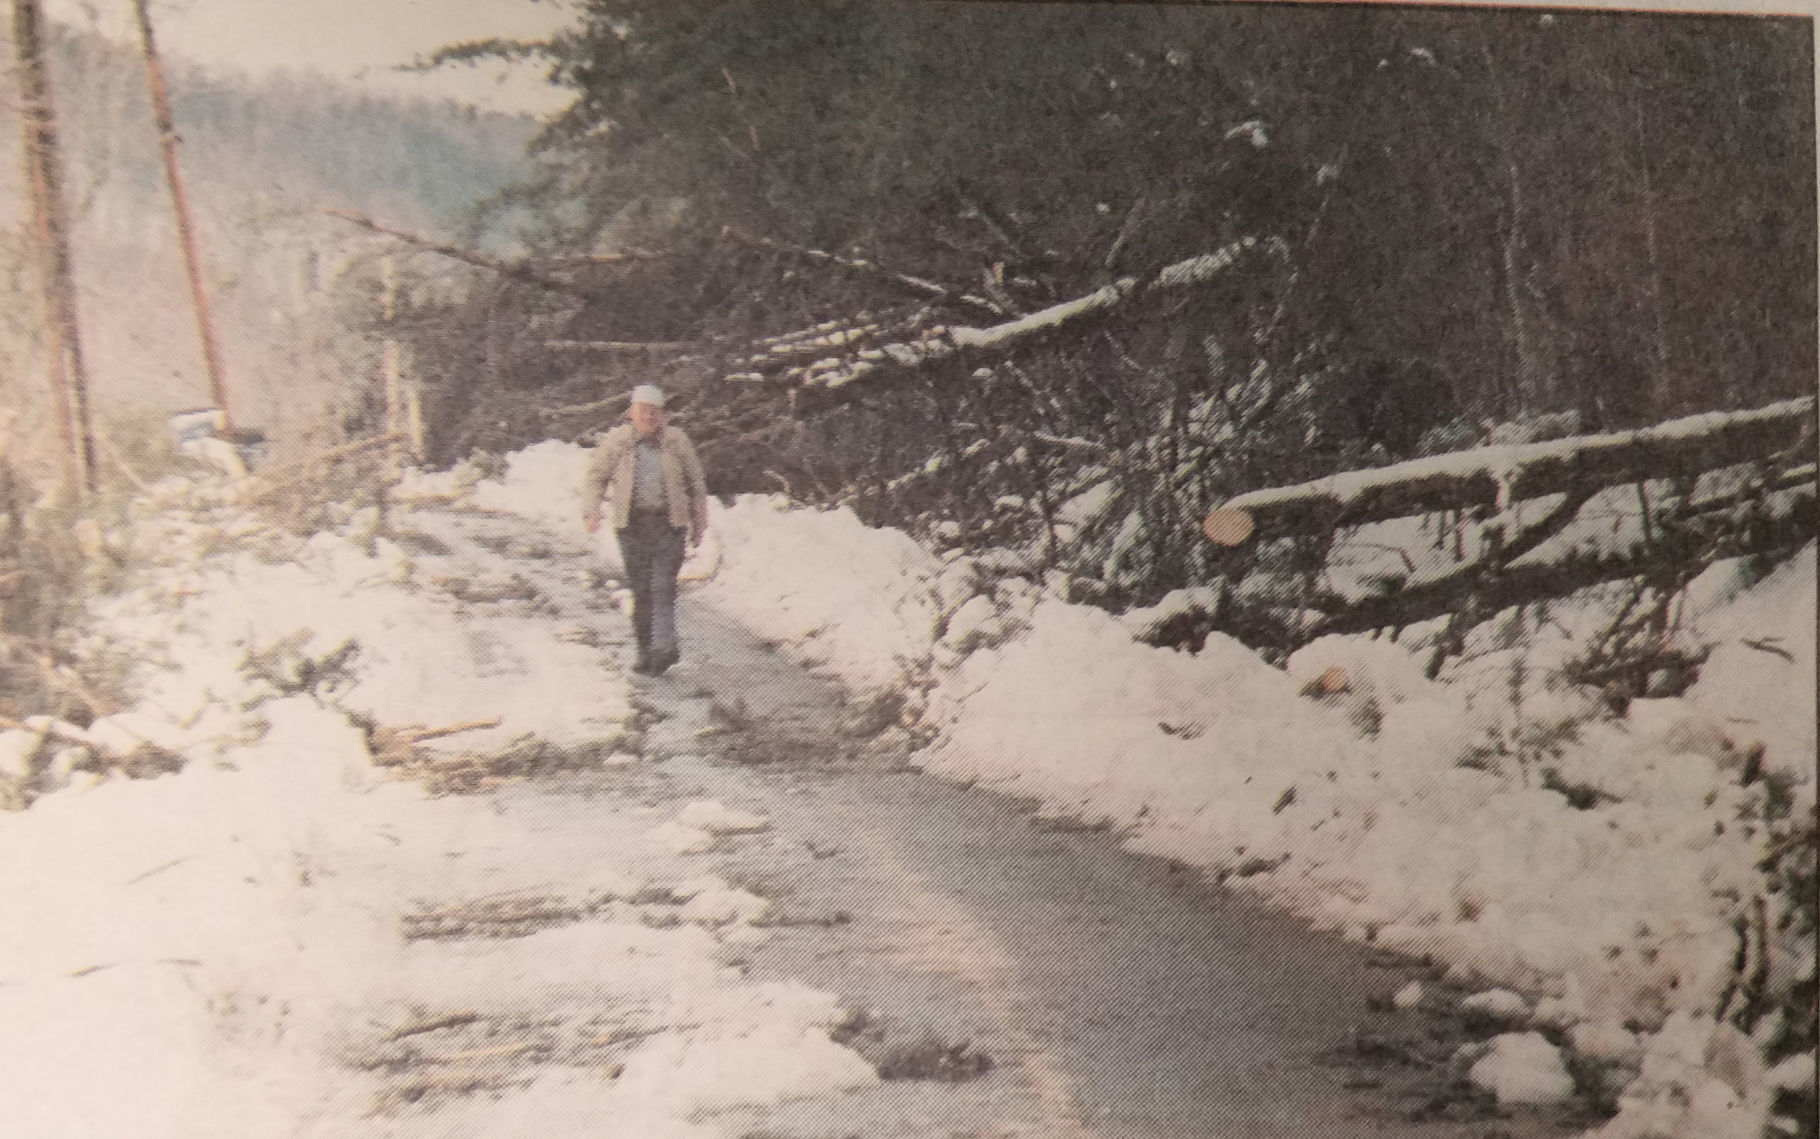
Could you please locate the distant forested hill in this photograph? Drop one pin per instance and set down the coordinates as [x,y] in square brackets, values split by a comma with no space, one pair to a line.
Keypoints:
[296,137]
[293,291]
[307,138]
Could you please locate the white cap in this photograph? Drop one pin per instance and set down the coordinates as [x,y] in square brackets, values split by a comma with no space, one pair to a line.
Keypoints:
[648,393]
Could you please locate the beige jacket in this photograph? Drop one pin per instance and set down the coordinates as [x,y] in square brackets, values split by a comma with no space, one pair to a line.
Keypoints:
[610,478]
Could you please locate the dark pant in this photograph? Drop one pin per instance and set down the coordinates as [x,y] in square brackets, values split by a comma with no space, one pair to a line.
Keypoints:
[652,550]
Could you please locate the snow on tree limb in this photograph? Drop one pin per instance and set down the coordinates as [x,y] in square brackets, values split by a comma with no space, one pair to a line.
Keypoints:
[919,286]
[1490,589]
[835,374]
[1497,476]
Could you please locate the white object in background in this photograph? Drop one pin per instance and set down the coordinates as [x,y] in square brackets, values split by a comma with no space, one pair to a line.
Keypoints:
[217,453]
[197,423]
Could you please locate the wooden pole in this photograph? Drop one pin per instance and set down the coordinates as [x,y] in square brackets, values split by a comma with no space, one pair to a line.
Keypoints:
[390,365]
[173,176]
[34,107]
[44,180]
[413,416]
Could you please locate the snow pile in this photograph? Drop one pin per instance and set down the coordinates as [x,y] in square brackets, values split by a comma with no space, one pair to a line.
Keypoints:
[151,951]
[718,818]
[226,947]
[1497,820]
[1760,681]
[541,482]
[1523,1068]
[855,599]
[249,625]
[419,487]
[701,826]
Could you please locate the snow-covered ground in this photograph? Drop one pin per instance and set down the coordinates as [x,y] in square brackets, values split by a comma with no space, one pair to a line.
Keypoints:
[1584,870]
[1495,820]
[223,951]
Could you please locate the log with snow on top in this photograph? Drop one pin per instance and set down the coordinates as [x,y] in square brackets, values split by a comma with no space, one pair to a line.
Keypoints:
[1495,477]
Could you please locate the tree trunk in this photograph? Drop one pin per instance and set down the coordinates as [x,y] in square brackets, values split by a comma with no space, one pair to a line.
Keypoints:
[1494,477]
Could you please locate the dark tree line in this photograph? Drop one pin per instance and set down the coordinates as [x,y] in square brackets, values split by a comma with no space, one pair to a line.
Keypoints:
[1458,217]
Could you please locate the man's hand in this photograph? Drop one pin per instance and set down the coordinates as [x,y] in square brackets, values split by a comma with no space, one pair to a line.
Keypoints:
[591,521]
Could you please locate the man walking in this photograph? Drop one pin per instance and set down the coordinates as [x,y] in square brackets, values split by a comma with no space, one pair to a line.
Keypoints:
[648,474]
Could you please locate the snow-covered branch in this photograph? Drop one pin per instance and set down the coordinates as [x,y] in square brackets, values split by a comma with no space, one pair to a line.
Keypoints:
[859,266]
[836,374]
[1488,589]
[1497,476]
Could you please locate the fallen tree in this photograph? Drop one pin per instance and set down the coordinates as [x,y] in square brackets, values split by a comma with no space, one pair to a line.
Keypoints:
[1701,537]
[1494,477]
[831,375]
[1764,505]
[869,270]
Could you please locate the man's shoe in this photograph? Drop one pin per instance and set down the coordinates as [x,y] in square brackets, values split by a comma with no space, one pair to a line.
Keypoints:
[642,666]
[661,662]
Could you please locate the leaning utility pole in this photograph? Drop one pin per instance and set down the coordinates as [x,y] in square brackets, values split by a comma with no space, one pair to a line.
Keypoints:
[50,228]
[173,176]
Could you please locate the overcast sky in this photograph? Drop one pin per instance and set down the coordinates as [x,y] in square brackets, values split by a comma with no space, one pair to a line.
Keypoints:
[360,41]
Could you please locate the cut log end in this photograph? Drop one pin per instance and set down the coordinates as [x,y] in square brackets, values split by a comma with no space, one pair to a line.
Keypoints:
[1330,683]
[1228,527]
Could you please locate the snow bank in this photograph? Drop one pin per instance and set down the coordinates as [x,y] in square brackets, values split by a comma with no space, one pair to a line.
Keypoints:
[414,656]
[541,482]
[1759,684]
[1373,812]
[1495,820]
[181,913]
[855,599]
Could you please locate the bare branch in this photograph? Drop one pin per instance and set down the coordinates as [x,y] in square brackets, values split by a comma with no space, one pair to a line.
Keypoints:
[920,286]
[526,271]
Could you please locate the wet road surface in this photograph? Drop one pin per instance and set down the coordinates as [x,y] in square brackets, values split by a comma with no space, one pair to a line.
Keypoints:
[1023,978]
